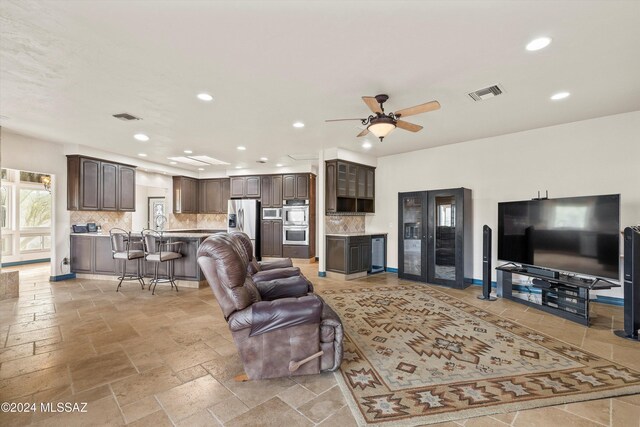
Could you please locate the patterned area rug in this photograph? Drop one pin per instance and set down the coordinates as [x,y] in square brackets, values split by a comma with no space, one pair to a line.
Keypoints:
[414,355]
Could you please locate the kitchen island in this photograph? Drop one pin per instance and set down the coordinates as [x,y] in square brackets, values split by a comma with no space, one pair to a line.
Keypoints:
[91,257]
[350,256]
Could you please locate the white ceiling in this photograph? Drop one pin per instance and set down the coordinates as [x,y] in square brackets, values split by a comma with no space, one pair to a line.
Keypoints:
[67,66]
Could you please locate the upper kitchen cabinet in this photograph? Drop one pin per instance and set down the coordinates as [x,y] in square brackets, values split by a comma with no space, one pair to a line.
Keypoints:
[349,187]
[213,196]
[245,187]
[126,188]
[295,186]
[98,185]
[271,191]
[185,195]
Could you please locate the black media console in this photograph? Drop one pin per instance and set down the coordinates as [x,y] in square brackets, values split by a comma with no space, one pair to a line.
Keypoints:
[565,296]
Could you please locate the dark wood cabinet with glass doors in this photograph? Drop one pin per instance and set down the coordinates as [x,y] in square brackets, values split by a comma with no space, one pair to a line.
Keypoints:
[435,237]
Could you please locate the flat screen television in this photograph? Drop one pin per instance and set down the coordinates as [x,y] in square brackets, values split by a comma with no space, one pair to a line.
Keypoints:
[574,234]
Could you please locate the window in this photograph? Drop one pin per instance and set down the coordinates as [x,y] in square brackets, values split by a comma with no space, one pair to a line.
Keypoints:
[25,215]
[4,206]
[35,208]
[32,177]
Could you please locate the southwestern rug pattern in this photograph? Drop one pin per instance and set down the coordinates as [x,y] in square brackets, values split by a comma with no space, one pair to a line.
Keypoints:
[414,355]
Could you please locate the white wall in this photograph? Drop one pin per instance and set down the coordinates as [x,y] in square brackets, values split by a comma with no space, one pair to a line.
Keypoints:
[597,156]
[25,153]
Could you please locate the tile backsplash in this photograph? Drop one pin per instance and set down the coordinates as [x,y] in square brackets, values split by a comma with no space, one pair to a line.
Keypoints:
[344,224]
[212,221]
[182,221]
[107,220]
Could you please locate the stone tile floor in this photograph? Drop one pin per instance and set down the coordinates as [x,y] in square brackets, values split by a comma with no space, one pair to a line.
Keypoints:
[169,359]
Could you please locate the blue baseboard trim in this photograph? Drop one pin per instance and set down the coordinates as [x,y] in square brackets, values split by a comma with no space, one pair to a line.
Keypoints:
[31,261]
[609,300]
[62,277]
[322,273]
[391,270]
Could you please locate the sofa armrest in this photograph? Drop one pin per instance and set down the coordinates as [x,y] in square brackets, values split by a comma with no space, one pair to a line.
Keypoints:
[277,263]
[268,316]
[276,273]
[296,286]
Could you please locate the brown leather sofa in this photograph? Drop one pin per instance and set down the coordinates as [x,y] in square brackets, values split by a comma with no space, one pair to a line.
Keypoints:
[284,337]
[274,279]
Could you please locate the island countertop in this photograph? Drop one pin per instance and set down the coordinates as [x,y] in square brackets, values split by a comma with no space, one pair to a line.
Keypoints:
[187,233]
[355,234]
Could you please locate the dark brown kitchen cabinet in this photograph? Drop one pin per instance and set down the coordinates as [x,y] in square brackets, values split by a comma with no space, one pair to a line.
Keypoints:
[350,187]
[109,187]
[89,184]
[81,248]
[348,254]
[126,188]
[185,194]
[271,238]
[366,184]
[213,195]
[331,202]
[245,187]
[103,262]
[95,185]
[271,191]
[295,187]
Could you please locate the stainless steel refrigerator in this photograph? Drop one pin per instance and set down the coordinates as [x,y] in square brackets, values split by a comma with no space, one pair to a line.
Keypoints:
[244,215]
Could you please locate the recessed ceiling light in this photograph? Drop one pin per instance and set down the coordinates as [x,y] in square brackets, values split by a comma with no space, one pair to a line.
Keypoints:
[205,97]
[188,151]
[238,167]
[241,148]
[141,137]
[560,95]
[263,159]
[539,43]
[298,125]
[366,145]
[279,165]
[200,169]
[142,155]
[173,163]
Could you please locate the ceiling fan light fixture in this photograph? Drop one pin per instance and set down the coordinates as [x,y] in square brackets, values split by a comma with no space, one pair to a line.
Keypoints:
[382,126]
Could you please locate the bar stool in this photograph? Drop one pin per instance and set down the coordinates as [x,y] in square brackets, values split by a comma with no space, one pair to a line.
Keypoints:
[124,248]
[156,250]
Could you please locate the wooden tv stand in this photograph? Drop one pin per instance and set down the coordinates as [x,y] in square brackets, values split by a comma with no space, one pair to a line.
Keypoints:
[567,296]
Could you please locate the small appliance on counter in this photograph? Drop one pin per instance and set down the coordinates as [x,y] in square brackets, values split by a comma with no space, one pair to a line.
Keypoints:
[79,228]
[89,227]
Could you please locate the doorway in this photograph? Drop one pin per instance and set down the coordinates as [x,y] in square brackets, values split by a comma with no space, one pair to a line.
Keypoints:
[157,217]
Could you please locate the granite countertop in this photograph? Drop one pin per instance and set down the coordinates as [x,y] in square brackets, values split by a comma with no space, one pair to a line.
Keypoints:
[355,234]
[167,233]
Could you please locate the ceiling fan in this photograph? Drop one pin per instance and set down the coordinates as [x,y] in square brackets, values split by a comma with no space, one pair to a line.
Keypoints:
[381,124]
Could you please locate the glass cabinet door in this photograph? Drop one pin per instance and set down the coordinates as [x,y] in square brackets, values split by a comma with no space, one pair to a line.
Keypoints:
[412,259]
[444,243]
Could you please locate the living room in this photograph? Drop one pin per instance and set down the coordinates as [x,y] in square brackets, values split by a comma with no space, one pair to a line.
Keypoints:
[227,93]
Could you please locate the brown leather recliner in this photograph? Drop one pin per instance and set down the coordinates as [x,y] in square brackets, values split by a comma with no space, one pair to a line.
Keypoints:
[284,337]
[279,277]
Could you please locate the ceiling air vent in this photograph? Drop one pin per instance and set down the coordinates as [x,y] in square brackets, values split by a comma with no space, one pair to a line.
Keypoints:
[486,93]
[126,117]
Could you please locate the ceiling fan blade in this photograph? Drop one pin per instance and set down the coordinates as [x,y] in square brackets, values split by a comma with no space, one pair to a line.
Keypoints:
[341,120]
[408,126]
[372,103]
[418,109]
[363,133]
